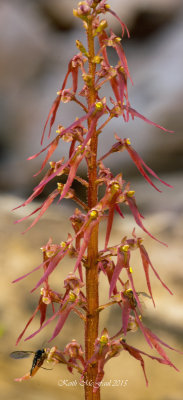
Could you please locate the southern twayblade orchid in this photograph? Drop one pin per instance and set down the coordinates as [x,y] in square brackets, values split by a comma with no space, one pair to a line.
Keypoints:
[81,287]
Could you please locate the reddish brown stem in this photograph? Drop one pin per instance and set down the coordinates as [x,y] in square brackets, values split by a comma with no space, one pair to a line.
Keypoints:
[92,319]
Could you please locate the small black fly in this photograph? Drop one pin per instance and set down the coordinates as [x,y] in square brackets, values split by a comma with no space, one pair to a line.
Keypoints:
[38,360]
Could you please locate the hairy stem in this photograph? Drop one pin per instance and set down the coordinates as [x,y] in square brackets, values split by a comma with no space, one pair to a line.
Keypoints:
[91,326]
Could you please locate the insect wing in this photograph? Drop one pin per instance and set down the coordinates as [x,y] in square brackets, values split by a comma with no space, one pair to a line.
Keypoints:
[144,294]
[21,354]
[143,300]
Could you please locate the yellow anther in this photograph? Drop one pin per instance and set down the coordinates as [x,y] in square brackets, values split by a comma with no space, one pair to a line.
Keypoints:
[117,39]
[87,78]
[79,147]
[52,164]
[97,59]
[60,186]
[42,291]
[128,141]
[133,326]
[72,296]
[99,105]
[101,27]
[115,187]
[131,270]
[63,244]
[94,214]
[49,253]
[103,23]
[130,193]
[46,300]
[103,339]
[121,69]
[125,247]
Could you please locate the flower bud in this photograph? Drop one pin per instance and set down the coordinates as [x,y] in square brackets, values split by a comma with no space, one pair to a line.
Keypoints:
[82,11]
[87,79]
[80,46]
[101,27]
[97,59]
[66,96]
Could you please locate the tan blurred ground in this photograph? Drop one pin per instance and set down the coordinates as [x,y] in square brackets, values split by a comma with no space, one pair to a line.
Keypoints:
[19,254]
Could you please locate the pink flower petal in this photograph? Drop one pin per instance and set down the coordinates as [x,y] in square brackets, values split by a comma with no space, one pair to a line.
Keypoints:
[133,207]
[146,260]
[42,326]
[28,273]
[51,150]
[53,262]
[123,26]
[28,323]
[139,162]
[52,114]
[146,271]
[62,318]
[43,208]
[136,354]
[135,113]
[118,268]
[125,316]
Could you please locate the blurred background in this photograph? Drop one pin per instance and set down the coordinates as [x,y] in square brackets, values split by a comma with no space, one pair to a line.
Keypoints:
[37,40]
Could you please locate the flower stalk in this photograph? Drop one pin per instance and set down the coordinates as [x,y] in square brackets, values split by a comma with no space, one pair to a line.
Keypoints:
[92,297]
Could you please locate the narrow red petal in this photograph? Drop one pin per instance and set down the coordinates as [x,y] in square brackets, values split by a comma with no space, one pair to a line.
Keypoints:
[146,271]
[125,317]
[109,224]
[28,323]
[43,208]
[142,328]
[51,150]
[52,114]
[136,354]
[28,273]
[135,113]
[119,266]
[62,318]
[42,326]
[147,260]
[138,162]
[132,204]
[51,266]
[123,26]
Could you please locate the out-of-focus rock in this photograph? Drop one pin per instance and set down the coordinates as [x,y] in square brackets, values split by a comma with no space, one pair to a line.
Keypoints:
[59,13]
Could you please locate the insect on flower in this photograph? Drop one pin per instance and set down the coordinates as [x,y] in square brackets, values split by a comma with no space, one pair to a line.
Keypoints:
[38,360]
[131,298]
